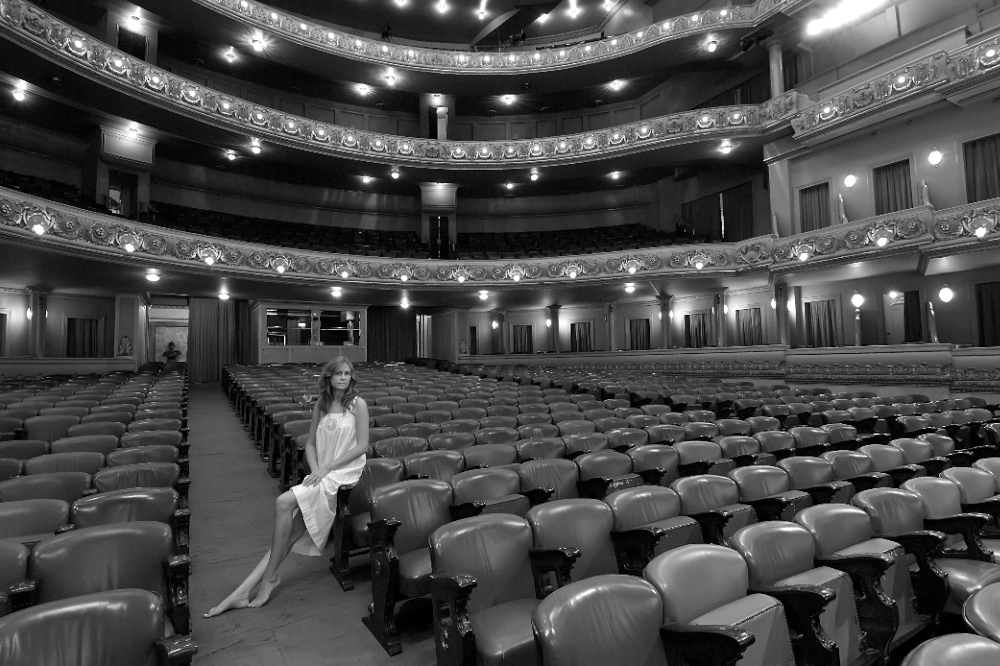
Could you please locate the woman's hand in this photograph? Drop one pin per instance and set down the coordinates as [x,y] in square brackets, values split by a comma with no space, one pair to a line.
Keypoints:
[315,477]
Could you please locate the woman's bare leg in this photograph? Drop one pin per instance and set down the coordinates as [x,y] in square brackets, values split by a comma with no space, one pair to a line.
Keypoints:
[288,528]
[240,597]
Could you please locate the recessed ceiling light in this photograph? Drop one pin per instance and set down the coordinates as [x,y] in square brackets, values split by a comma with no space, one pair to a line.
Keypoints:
[534,176]
[711,45]
[395,174]
[508,99]
[617,84]
[615,175]
[366,179]
[230,155]
[363,89]
[509,185]
[18,94]
[152,277]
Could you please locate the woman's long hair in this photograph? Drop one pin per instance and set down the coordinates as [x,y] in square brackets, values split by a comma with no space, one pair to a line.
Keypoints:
[325,388]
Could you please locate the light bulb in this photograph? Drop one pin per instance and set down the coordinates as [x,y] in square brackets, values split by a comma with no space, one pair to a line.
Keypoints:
[850,180]
[404,277]
[774,304]
[946,294]
[404,304]
[712,45]
[893,294]
[209,260]
[366,179]
[803,256]
[935,157]
[38,228]
[130,247]
[280,269]
[461,278]
[534,176]
[548,323]
[223,296]
[857,300]
[483,295]
[18,94]
[631,270]
[980,232]
[255,149]
[344,274]
[336,292]
[698,265]
[572,275]
[395,174]
[509,186]
[615,175]
[152,277]
[516,277]
[882,241]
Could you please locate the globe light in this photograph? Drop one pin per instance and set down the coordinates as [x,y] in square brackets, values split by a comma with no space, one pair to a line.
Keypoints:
[946,294]
[857,300]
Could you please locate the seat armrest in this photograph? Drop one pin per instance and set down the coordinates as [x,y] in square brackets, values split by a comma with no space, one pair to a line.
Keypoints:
[455,641]
[930,584]
[936,465]
[538,495]
[22,594]
[770,508]
[877,612]
[634,548]
[179,569]
[745,459]
[182,530]
[989,506]
[969,525]
[652,476]
[821,493]
[601,487]
[62,529]
[803,606]
[175,650]
[712,523]
[704,644]
[904,473]
[551,567]
[866,481]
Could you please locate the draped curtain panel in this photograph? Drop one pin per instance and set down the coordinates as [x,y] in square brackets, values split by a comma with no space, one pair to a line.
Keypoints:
[814,207]
[749,327]
[893,188]
[988,307]
[982,168]
[81,338]
[581,339]
[704,217]
[522,341]
[913,322]
[3,333]
[737,213]
[203,356]
[638,333]
[822,324]
[696,332]
[244,349]
[392,334]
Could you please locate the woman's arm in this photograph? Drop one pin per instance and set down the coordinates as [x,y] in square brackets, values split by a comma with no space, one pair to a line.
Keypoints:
[314,475]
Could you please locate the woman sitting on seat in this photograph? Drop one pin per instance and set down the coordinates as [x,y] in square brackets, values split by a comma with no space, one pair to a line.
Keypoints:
[335,451]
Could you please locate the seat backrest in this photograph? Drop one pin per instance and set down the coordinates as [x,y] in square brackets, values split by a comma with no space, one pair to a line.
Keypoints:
[697,578]
[609,619]
[32,516]
[127,505]
[400,447]
[585,524]
[975,485]
[705,492]
[643,420]
[532,430]
[104,557]
[65,486]
[23,449]
[627,437]
[834,527]
[147,425]
[650,456]
[883,456]
[914,450]
[48,428]
[122,627]
[806,471]
[665,434]
[113,428]
[137,475]
[729,427]
[103,444]
[696,451]
[700,430]
[421,430]
[377,472]
[635,507]
[452,441]
[738,445]
[171,437]
[496,435]
[575,427]
[774,550]
[806,436]
[559,475]
[76,461]
[440,465]
[892,511]
[605,463]
[489,455]
[847,464]
[585,442]
[421,506]
[758,481]
[494,549]
[13,564]
[955,650]
[939,497]
[484,484]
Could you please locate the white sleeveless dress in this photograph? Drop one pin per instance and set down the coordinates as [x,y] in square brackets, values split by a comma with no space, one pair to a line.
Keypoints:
[335,434]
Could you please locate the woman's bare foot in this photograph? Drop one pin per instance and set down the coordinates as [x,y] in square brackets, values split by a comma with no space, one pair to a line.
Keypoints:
[264,591]
[230,602]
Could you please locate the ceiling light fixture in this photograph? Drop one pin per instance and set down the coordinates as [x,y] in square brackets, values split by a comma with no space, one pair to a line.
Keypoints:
[615,175]
[534,175]
[509,185]
[223,295]
[255,146]
[18,93]
[257,43]
[366,179]
[617,84]
[508,99]
[336,292]
[363,89]
[542,18]
[230,55]
[404,303]
[857,300]
[711,45]
[442,7]
[726,147]
[629,287]
[152,277]
[483,295]
[230,155]
[390,78]
[893,294]
[395,173]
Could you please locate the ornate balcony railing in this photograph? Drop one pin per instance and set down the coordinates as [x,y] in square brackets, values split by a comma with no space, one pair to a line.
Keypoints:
[28,218]
[299,30]
[26,24]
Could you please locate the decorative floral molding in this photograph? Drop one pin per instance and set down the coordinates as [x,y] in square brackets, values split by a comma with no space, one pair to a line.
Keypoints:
[29,25]
[979,222]
[857,237]
[937,71]
[976,379]
[921,374]
[321,37]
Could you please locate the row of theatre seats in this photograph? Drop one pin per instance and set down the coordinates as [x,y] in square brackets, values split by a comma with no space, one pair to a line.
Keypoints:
[713,519]
[94,524]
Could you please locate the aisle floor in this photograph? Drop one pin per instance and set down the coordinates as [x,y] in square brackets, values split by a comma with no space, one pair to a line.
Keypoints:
[309,620]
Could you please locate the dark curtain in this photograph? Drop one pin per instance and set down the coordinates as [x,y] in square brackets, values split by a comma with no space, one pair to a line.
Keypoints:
[913,326]
[821,324]
[755,90]
[521,339]
[814,207]
[3,334]
[696,330]
[82,338]
[581,339]
[235,327]
[982,168]
[748,327]
[204,340]
[473,341]
[392,334]
[893,189]
[737,213]
[704,217]
[638,333]
[988,306]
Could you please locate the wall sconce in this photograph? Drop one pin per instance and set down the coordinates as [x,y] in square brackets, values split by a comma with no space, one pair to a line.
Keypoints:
[494,324]
[857,300]
[483,295]
[223,295]
[946,294]
[935,156]
[774,304]
[28,314]
[548,323]
[629,287]
[671,314]
[850,180]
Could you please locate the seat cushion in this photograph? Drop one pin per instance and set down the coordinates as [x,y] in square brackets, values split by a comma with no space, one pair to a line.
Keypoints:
[764,617]
[503,634]
[415,573]
[965,577]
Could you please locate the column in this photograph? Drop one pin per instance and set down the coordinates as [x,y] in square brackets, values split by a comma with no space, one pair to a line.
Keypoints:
[498,332]
[552,312]
[720,317]
[780,309]
[38,303]
[666,323]
[777,68]
[609,319]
